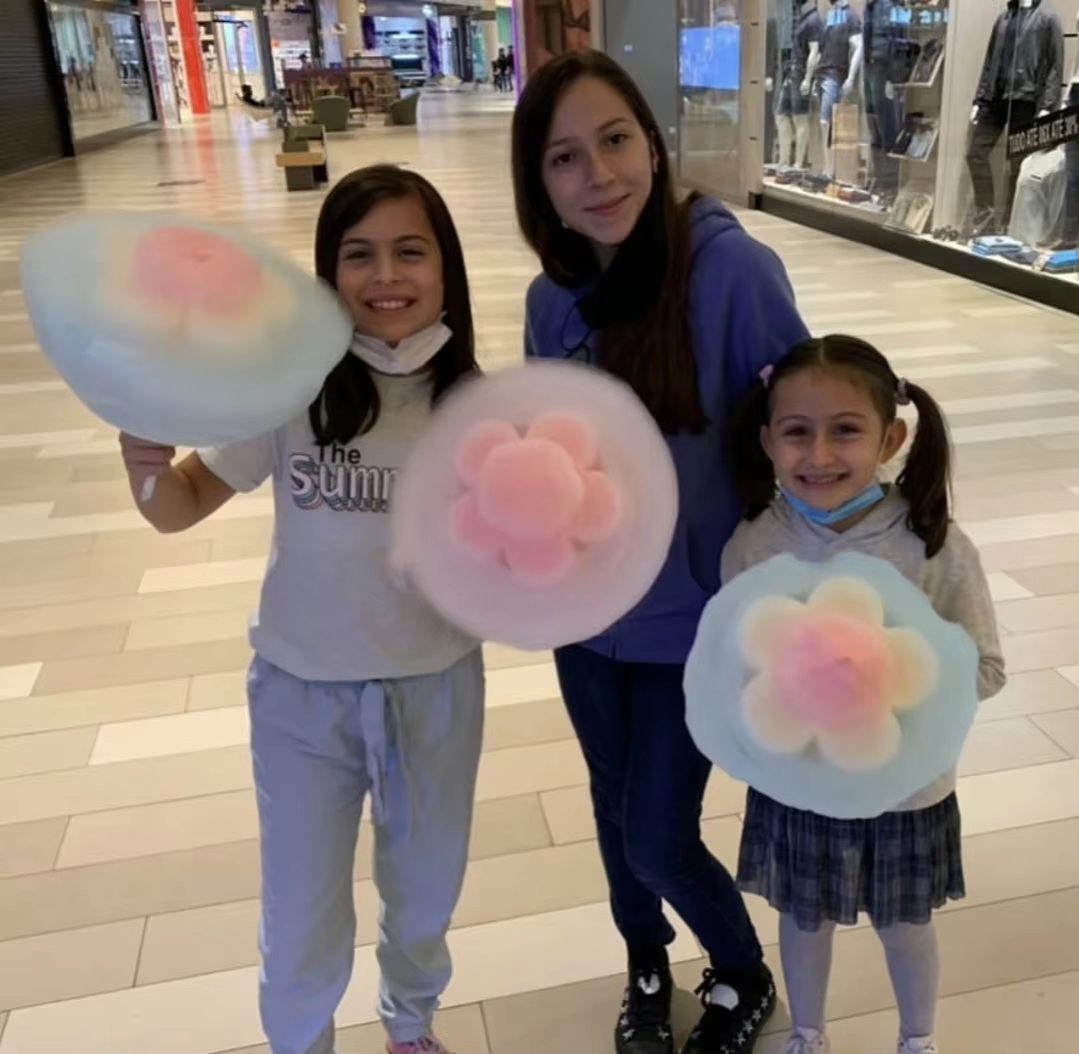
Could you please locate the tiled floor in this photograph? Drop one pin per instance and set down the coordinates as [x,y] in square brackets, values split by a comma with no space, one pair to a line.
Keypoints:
[128,870]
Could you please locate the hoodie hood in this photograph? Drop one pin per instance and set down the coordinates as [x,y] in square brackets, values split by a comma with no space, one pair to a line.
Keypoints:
[880,523]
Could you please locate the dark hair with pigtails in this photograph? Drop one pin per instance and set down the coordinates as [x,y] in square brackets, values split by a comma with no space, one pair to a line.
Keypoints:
[925,481]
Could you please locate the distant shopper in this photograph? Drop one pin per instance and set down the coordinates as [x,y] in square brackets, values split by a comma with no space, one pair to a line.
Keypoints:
[679,301]
[358,689]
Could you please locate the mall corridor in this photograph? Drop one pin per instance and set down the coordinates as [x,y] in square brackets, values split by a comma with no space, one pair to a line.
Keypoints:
[128,854]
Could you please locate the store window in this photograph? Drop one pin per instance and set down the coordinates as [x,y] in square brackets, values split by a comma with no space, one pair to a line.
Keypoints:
[945,120]
[709,74]
[105,77]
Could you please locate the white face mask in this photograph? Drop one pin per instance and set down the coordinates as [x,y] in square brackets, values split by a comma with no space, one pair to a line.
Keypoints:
[410,355]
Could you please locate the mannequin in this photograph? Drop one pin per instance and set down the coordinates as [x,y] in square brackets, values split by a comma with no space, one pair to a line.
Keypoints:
[884,38]
[841,52]
[792,108]
[1071,168]
[1020,80]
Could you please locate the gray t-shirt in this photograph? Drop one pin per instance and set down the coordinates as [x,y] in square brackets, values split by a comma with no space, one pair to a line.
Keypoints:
[841,25]
[329,609]
[810,30]
[953,580]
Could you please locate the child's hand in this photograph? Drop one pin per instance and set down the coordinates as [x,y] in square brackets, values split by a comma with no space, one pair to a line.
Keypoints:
[144,461]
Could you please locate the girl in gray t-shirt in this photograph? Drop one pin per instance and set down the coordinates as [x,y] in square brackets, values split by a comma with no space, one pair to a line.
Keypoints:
[808,444]
[358,689]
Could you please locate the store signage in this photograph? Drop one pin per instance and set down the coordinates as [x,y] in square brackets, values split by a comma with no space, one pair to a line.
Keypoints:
[1052,130]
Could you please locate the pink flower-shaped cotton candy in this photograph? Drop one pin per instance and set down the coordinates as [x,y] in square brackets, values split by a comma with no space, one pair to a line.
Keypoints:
[830,673]
[536,501]
[186,267]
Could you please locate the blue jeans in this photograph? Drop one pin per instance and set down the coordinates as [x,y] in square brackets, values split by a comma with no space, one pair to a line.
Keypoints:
[648,781]
[831,93]
[885,122]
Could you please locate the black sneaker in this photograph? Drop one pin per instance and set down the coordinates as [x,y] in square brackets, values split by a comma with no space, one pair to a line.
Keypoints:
[725,1031]
[644,1026]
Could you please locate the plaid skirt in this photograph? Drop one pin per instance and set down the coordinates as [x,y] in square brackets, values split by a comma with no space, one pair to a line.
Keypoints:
[899,867]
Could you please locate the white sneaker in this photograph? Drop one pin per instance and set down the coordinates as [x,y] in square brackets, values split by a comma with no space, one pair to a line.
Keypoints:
[807,1041]
[917,1045]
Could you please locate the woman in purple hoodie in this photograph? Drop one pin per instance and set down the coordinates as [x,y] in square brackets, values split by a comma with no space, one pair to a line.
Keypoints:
[675,298]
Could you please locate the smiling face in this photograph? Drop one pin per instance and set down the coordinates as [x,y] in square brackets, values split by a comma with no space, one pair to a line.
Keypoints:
[598,166]
[826,437]
[389,271]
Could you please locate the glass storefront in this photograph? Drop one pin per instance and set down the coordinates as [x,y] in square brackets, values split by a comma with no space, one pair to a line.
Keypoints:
[101,59]
[943,120]
[709,76]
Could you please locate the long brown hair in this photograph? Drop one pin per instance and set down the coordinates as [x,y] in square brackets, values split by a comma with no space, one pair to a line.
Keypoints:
[924,482]
[653,351]
[349,405]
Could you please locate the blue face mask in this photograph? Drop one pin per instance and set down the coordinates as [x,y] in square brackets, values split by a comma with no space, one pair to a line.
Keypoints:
[830,517]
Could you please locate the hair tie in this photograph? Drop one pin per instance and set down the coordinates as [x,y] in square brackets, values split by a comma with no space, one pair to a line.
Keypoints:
[902,392]
[766,374]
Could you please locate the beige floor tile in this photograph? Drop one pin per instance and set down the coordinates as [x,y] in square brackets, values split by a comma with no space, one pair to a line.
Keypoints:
[177,734]
[1040,613]
[135,667]
[69,590]
[80,791]
[1018,557]
[68,965]
[77,709]
[1037,692]
[1000,800]
[1051,580]
[178,630]
[1004,587]
[526,770]
[211,603]
[462,1028]
[1010,743]
[46,751]
[26,848]
[165,827]
[569,810]
[1062,728]
[199,941]
[501,656]
[213,690]
[68,899]
[1033,1017]
[97,643]
[201,576]
[1019,862]
[527,724]
[1041,651]
[522,684]
[17,682]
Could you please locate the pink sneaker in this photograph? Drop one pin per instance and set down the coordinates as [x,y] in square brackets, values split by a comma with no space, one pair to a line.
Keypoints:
[427,1045]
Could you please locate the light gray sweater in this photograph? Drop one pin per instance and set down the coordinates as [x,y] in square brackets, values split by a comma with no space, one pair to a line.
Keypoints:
[953,580]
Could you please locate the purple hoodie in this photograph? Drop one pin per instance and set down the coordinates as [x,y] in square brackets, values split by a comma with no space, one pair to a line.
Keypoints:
[743,318]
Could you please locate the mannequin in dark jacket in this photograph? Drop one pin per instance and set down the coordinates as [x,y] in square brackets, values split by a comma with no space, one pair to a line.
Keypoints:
[1021,78]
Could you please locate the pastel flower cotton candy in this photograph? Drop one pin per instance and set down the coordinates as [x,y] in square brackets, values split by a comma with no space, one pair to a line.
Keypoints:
[831,687]
[535,501]
[539,507]
[178,332]
[830,674]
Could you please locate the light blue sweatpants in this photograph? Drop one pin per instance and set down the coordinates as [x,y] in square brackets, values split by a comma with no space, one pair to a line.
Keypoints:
[412,745]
